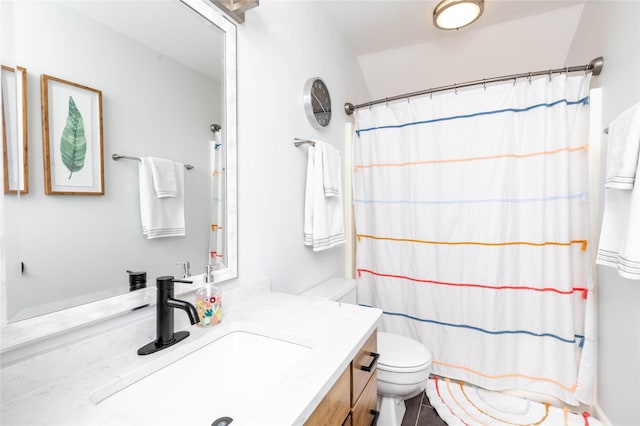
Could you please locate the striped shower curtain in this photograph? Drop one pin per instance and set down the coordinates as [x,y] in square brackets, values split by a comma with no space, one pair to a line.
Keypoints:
[216,240]
[471,225]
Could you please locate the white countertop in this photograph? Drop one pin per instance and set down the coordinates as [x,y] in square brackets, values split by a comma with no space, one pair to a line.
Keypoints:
[59,387]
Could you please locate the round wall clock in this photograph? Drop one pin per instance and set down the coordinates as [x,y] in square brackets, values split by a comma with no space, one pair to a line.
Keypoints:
[317,102]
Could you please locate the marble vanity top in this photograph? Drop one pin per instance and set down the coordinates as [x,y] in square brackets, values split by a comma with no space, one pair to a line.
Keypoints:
[63,385]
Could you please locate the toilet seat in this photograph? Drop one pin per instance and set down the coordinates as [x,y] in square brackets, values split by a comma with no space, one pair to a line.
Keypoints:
[401,354]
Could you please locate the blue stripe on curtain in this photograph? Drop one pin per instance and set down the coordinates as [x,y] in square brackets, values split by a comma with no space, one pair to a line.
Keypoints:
[581,196]
[576,338]
[583,101]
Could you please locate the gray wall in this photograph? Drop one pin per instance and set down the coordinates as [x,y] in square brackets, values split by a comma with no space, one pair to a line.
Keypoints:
[612,29]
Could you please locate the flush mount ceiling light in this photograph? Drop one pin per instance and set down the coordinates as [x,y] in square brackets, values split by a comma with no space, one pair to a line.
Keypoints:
[454,14]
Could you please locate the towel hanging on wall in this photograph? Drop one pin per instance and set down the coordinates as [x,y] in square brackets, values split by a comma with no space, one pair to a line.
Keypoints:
[323,213]
[619,243]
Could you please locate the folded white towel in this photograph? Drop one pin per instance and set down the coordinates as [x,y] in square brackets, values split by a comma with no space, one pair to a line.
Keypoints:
[164,177]
[161,217]
[624,146]
[323,216]
[331,170]
[619,245]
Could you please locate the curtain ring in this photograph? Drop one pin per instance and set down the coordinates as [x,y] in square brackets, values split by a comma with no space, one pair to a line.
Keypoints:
[529,78]
[431,94]
[369,105]
[549,76]
[455,89]
[484,84]
[386,102]
[515,79]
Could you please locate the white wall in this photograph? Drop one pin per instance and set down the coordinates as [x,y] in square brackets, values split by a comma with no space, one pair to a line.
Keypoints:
[611,29]
[281,45]
[473,53]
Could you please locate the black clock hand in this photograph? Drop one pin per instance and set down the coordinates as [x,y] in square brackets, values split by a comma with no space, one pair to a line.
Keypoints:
[319,103]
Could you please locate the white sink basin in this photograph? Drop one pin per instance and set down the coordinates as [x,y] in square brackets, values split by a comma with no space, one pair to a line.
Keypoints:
[221,379]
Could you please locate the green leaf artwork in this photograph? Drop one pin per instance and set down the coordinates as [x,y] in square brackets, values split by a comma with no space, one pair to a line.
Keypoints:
[73,144]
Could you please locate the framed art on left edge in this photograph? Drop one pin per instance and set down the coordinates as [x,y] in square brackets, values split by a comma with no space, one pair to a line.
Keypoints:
[71,138]
[14,130]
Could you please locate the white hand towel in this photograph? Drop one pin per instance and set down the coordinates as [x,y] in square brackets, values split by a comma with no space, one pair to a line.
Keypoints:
[331,170]
[619,245]
[323,216]
[161,217]
[624,146]
[164,177]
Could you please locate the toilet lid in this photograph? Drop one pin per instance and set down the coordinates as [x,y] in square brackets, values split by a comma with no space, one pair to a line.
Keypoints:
[400,352]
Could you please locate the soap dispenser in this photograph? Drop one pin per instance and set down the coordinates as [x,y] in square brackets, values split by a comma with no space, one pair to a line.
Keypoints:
[208,301]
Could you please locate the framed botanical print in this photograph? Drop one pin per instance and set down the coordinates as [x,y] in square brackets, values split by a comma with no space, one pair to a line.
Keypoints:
[72,138]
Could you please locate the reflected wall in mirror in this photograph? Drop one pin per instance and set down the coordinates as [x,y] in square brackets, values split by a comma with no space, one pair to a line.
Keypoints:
[161,68]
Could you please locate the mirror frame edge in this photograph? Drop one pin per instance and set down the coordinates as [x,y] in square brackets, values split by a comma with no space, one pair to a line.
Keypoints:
[19,333]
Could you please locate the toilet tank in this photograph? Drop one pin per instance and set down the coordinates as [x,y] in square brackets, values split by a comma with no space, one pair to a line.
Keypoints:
[337,289]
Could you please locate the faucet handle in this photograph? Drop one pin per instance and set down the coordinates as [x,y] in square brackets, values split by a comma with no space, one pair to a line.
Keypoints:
[185,267]
[166,282]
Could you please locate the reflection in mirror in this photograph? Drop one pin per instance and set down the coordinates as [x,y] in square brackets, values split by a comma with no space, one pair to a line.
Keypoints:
[14,130]
[160,66]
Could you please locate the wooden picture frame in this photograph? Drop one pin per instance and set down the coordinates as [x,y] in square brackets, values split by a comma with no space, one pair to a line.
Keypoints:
[14,130]
[71,138]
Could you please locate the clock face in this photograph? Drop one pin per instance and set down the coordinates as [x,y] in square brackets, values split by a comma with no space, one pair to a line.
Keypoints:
[317,103]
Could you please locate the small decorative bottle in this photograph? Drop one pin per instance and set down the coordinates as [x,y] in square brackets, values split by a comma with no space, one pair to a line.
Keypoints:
[209,301]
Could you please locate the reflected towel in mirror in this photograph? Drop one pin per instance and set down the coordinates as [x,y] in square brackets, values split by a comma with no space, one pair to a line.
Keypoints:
[161,217]
[164,177]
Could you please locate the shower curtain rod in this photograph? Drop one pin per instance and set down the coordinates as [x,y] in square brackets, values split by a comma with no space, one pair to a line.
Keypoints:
[595,66]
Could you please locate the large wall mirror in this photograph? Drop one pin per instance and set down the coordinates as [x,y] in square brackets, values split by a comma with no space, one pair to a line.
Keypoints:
[166,73]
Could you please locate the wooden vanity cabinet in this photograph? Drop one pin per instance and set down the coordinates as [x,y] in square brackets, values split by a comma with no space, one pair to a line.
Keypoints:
[352,400]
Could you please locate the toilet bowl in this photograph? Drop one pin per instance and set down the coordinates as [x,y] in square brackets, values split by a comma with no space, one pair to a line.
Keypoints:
[404,364]
[403,370]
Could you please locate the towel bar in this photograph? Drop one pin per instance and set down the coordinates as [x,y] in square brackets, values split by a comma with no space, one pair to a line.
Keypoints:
[116,157]
[297,142]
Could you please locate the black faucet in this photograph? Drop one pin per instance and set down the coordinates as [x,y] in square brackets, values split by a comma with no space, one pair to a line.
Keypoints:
[164,321]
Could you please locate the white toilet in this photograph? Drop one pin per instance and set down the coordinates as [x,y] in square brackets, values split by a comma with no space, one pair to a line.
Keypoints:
[404,364]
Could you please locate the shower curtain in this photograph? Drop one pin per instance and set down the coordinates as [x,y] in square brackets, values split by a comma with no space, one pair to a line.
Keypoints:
[471,231]
[216,242]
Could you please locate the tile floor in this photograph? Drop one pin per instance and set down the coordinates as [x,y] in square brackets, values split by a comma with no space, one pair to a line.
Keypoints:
[421,413]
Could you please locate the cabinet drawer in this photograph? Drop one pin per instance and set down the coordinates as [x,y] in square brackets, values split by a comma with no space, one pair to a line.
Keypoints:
[364,411]
[366,359]
[335,406]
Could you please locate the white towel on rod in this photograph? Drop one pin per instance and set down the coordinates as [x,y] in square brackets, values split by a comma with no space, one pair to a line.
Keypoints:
[331,170]
[164,177]
[161,217]
[619,245]
[624,148]
[323,216]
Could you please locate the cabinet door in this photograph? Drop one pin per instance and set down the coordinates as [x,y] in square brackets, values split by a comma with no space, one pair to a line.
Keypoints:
[335,406]
[364,411]
[366,358]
